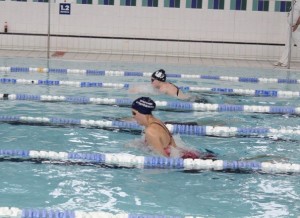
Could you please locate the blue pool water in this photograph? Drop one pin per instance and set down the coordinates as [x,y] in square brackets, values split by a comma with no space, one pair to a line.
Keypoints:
[147,191]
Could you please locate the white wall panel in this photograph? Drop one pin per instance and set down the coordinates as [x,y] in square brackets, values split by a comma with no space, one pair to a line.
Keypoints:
[143,22]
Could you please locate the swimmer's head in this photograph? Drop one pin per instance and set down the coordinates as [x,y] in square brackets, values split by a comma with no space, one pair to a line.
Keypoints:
[160,75]
[144,105]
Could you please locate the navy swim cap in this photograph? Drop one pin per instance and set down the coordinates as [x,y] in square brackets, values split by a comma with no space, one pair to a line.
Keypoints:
[160,75]
[144,105]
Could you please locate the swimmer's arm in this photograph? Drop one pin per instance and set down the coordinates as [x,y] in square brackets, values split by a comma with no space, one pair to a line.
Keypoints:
[141,88]
[153,139]
[127,119]
[133,90]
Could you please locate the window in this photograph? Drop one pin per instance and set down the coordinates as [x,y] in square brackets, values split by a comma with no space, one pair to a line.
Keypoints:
[128,2]
[150,3]
[216,4]
[85,2]
[19,0]
[172,3]
[106,2]
[193,3]
[283,6]
[260,5]
[40,0]
[238,5]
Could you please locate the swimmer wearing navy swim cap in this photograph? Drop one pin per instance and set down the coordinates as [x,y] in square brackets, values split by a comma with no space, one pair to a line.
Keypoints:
[157,135]
[144,105]
[160,75]
[158,82]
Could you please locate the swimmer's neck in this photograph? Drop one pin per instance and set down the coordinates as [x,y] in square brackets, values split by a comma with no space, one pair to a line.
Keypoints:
[150,119]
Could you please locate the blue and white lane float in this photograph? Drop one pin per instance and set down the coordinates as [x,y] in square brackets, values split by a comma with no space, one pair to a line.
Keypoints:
[14,212]
[63,83]
[250,92]
[145,74]
[172,105]
[221,131]
[246,92]
[150,162]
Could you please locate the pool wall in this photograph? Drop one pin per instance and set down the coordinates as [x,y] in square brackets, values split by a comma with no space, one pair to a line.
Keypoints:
[139,30]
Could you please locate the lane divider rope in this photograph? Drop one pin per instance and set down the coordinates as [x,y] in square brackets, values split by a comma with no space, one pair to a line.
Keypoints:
[251,92]
[150,162]
[223,131]
[15,212]
[146,74]
[247,92]
[173,105]
[63,83]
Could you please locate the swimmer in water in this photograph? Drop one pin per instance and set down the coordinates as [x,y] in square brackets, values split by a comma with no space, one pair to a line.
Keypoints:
[158,82]
[157,135]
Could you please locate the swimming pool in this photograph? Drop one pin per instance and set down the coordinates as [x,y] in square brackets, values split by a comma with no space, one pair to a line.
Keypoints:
[155,191]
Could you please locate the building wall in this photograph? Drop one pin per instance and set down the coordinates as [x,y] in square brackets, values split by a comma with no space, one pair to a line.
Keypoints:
[146,30]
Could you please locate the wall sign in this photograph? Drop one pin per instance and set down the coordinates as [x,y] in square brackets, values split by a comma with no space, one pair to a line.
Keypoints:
[65,8]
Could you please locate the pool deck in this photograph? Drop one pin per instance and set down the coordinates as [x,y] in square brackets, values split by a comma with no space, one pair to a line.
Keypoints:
[263,64]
